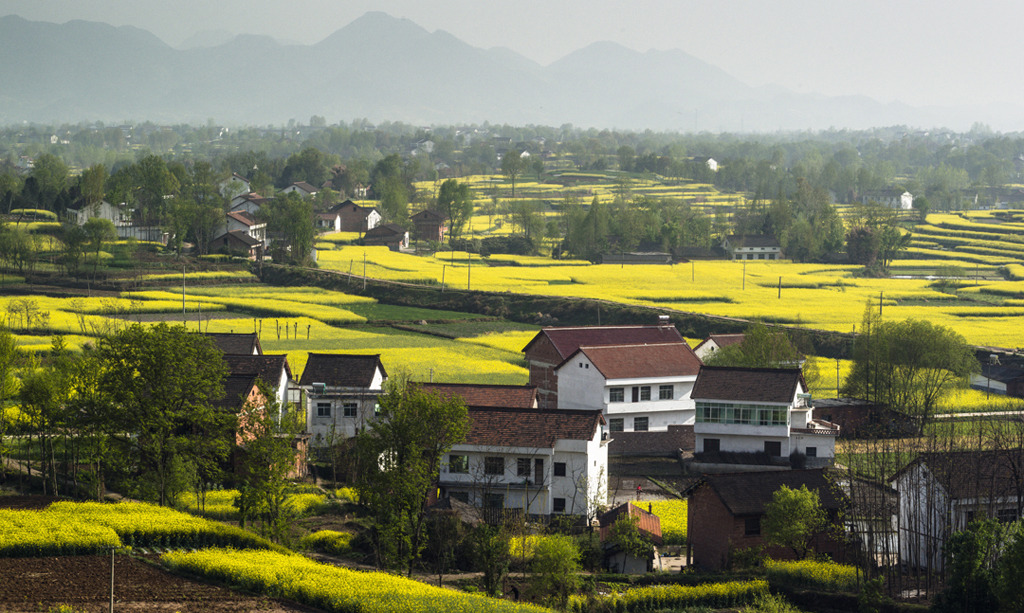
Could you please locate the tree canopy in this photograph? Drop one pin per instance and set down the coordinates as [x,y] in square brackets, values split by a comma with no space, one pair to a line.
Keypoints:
[793,518]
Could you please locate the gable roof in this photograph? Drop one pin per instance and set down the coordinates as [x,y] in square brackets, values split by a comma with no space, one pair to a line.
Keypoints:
[236,343]
[747,493]
[480,395]
[243,217]
[648,523]
[752,240]
[386,230]
[748,384]
[537,428]
[341,370]
[239,236]
[236,391]
[568,340]
[266,367]
[722,340]
[346,203]
[428,215]
[972,474]
[1001,373]
[306,187]
[635,361]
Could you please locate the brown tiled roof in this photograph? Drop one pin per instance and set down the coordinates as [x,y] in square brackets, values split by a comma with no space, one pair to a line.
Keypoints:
[537,428]
[236,343]
[243,217]
[974,474]
[722,340]
[347,202]
[427,215]
[266,367]
[386,230]
[341,370]
[747,384]
[649,523]
[330,216]
[477,395]
[239,236]
[568,340]
[747,493]
[632,361]
[304,186]
[653,444]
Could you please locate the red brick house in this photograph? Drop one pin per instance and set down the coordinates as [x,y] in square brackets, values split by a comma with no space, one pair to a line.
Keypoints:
[546,351]
[393,236]
[479,395]
[355,218]
[241,391]
[725,512]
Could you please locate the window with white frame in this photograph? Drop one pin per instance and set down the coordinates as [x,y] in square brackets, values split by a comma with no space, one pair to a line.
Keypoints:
[616,394]
[645,392]
[640,424]
[665,392]
[615,424]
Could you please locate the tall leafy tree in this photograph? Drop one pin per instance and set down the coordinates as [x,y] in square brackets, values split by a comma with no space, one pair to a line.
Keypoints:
[400,459]
[291,217]
[98,231]
[455,201]
[159,385]
[513,166]
[908,365]
[793,518]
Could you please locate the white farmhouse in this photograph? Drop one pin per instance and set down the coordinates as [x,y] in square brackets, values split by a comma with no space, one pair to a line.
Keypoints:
[638,387]
[543,461]
[341,394]
[754,410]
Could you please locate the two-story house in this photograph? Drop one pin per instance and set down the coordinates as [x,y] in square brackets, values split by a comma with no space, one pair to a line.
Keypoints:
[301,188]
[639,388]
[551,346]
[752,410]
[429,225]
[273,370]
[355,218]
[341,394]
[543,461]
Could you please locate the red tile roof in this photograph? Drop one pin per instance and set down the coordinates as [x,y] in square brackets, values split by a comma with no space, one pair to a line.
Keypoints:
[648,523]
[536,428]
[243,217]
[633,361]
[748,384]
[476,395]
[568,340]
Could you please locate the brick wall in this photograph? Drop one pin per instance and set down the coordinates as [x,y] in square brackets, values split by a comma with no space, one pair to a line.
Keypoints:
[543,358]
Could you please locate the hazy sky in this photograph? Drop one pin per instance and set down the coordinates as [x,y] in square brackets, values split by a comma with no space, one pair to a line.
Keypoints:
[937,52]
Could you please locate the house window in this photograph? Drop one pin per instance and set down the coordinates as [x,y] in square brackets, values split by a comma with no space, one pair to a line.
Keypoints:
[752,526]
[712,445]
[665,392]
[636,394]
[458,464]
[645,392]
[323,409]
[494,501]
[538,471]
[558,505]
[460,496]
[494,466]
[640,424]
[616,394]
[349,409]
[812,452]
[615,424]
[522,467]
[1006,515]
[559,469]
[773,448]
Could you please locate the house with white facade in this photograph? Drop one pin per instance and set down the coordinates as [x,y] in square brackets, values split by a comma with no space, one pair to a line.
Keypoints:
[542,461]
[759,410]
[341,394]
[244,222]
[752,247]
[302,188]
[234,185]
[638,388]
[552,345]
[249,203]
[80,212]
[273,370]
[355,218]
[941,492]
[715,342]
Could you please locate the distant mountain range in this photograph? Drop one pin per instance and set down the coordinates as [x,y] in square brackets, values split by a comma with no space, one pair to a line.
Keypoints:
[387,69]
